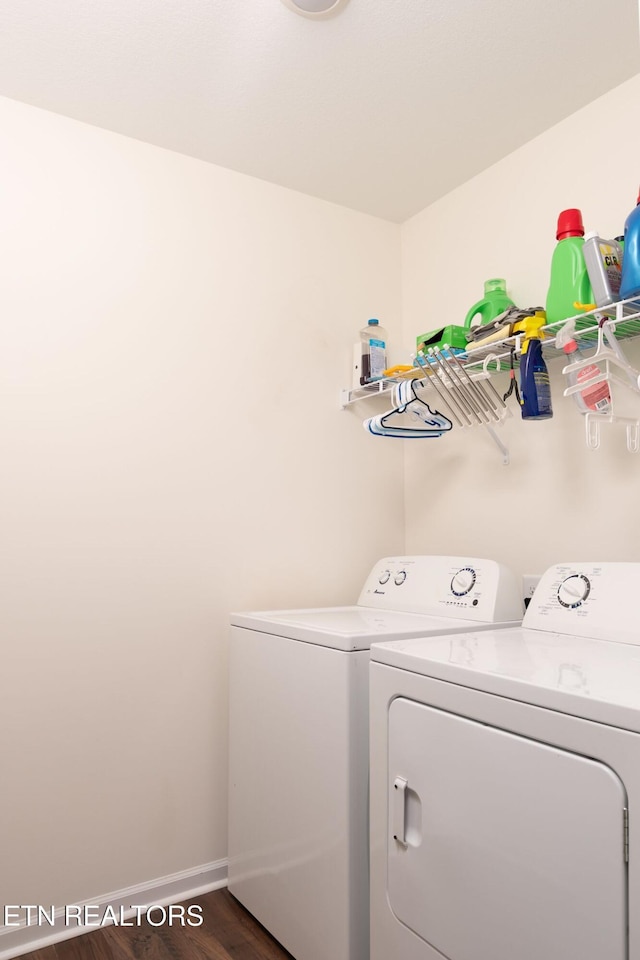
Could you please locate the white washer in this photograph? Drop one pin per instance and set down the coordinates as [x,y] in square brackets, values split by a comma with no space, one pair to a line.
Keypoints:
[505,781]
[298,742]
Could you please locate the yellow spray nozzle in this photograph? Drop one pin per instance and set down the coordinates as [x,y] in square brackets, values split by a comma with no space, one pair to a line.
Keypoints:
[532,327]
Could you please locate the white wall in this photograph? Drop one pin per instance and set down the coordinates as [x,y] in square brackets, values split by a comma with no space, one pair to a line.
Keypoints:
[557,500]
[174,339]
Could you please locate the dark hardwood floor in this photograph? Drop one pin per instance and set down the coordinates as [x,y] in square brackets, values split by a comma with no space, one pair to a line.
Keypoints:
[228,932]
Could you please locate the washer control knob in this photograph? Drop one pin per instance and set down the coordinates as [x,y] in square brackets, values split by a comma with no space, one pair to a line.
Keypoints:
[384,576]
[574,590]
[463,581]
[400,577]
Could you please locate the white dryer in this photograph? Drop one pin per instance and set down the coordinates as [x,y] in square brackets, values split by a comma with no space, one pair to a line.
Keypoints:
[505,781]
[298,742]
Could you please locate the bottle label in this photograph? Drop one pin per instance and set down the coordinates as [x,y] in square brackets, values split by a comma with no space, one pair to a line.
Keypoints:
[597,397]
[612,267]
[543,391]
[378,358]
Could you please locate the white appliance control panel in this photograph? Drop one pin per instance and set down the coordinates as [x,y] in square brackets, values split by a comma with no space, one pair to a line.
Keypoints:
[463,587]
[598,600]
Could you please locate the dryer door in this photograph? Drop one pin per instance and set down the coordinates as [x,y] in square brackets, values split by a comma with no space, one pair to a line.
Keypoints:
[500,846]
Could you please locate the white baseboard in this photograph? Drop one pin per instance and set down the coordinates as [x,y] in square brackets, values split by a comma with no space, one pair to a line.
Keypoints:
[16,940]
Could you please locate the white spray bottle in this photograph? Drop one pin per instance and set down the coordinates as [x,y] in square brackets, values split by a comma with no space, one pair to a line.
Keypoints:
[595,398]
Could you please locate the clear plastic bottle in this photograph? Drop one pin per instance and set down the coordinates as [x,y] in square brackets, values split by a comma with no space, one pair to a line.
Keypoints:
[593,399]
[373,352]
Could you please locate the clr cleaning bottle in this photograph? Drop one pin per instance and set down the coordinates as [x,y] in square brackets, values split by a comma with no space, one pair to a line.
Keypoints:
[604,260]
[535,389]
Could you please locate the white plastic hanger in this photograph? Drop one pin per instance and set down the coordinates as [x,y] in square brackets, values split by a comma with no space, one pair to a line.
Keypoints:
[614,368]
[410,417]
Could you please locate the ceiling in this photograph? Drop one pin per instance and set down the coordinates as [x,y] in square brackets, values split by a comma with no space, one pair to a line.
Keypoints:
[383,108]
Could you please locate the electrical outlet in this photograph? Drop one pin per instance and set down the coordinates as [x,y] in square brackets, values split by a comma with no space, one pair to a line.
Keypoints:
[529,583]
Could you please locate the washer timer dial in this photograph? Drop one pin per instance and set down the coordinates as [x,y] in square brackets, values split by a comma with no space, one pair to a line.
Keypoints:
[463,581]
[574,590]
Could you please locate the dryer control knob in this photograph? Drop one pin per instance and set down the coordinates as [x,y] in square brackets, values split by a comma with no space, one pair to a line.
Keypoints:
[384,576]
[400,577]
[463,581]
[574,590]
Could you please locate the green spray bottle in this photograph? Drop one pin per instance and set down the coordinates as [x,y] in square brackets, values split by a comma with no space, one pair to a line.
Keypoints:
[569,289]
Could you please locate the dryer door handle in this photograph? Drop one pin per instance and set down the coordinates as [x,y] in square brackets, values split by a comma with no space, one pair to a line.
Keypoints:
[399,807]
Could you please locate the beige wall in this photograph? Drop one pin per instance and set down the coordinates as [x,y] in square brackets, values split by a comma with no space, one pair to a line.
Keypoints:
[557,500]
[174,340]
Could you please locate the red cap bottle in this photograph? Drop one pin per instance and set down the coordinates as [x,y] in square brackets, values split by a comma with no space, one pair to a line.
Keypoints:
[569,283]
[570,224]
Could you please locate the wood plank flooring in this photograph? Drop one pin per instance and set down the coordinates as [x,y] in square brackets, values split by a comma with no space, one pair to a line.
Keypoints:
[228,932]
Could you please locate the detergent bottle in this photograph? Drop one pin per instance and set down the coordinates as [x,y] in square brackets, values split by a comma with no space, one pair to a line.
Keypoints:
[494,302]
[630,285]
[569,283]
[535,389]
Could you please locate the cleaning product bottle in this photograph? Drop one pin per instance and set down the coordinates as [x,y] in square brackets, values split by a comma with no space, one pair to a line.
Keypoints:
[373,352]
[630,285]
[596,398]
[494,302]
[535,389]
[603,259]
[569,278]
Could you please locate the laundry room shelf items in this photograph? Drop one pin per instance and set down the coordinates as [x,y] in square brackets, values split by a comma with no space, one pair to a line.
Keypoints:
[459,385]
[623,319]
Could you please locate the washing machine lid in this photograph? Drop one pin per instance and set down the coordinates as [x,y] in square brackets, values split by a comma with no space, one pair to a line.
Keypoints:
[591,678]
[351,628]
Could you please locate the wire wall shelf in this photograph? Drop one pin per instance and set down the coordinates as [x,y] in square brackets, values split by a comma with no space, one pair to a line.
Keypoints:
[452,388]
[622,318]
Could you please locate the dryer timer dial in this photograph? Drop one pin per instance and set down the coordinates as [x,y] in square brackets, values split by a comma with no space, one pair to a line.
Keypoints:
[574,590]
[463,581]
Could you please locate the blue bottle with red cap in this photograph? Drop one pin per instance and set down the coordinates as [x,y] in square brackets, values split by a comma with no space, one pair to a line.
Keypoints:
[630,285]
[569,283]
